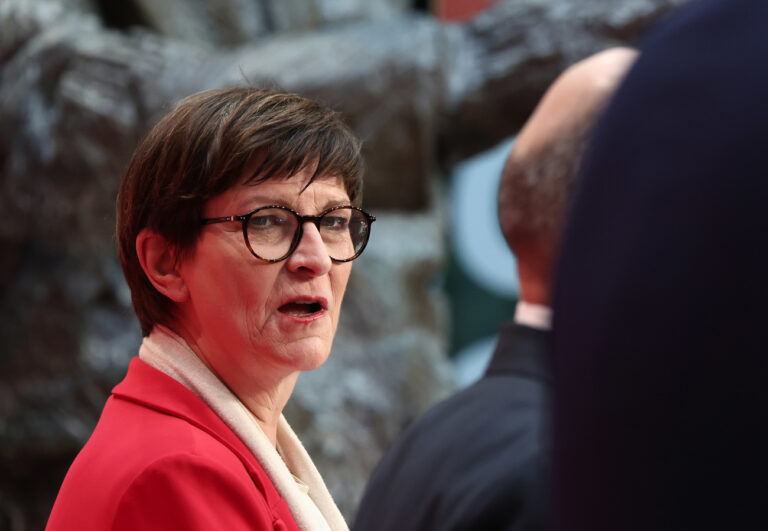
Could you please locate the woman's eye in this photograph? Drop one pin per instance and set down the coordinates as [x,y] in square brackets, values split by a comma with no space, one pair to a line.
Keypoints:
[267,221]
[335,222]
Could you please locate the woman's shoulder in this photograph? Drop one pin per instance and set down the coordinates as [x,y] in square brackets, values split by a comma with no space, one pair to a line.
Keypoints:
[178,490]
[155,416]
[145,468]
[192,491]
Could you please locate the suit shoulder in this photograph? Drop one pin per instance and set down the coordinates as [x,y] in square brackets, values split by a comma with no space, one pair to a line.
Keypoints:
[490,401]
[474,457]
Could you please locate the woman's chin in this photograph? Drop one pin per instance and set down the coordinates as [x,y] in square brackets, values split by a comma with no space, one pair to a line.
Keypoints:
[305,354]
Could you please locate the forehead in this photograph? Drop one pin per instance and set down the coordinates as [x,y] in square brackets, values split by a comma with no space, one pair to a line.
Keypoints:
[295,192]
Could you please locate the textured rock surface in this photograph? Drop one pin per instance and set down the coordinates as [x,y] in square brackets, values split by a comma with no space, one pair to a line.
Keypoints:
[228,23]
[74,99]
[293,15]
[397,92]
[503,60]
[213,22]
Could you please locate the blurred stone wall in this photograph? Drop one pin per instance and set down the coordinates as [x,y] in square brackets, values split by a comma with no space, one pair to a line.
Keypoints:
[82,80]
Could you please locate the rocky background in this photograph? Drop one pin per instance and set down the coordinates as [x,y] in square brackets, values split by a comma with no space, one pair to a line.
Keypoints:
[82,80]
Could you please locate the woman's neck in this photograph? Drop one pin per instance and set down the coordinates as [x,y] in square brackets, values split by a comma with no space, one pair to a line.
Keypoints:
[263,389]
[267,405]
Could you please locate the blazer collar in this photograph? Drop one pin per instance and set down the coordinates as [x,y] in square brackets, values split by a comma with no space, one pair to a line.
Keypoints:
[521,350]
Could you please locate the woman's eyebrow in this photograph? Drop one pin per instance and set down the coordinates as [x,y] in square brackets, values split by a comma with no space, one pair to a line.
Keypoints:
[343,201]
[253,203]
[262,201]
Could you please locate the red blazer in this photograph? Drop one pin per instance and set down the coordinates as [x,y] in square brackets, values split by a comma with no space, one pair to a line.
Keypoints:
[160,458]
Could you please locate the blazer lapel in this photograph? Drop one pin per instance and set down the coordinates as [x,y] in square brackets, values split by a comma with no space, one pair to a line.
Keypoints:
[150,388]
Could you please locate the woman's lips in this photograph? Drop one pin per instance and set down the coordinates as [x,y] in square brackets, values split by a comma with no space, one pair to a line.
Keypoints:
[303,307]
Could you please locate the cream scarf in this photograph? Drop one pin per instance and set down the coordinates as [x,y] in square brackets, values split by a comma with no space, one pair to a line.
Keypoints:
[313,510]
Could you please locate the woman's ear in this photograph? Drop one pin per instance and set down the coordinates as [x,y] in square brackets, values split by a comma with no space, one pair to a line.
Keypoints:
[158,260]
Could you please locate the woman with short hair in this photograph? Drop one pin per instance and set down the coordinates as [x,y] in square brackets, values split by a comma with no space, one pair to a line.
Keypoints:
[237,221]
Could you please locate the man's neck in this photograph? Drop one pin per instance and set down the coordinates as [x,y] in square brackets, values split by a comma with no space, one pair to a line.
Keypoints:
[533,315]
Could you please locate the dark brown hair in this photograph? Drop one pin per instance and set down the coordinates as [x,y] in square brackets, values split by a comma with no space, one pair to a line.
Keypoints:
[201,149]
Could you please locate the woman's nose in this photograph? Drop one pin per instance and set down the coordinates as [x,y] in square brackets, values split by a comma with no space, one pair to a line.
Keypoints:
[311,254]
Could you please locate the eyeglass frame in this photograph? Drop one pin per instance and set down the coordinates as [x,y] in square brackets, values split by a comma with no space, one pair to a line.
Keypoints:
[244,218]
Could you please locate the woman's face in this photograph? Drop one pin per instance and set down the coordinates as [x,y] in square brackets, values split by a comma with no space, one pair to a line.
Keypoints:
[245,317]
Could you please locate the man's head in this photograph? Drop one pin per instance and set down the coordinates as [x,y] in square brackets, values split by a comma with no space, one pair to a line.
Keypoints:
[545,159]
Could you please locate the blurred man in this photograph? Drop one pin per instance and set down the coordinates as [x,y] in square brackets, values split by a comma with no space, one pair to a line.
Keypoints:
[477,461]
[660,351]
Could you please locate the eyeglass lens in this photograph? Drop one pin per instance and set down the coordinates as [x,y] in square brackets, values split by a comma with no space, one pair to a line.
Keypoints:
[271,232]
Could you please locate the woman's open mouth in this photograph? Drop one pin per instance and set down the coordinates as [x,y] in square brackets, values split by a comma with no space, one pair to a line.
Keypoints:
[301,307]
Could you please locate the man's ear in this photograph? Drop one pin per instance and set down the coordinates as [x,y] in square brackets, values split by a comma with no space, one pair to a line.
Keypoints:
[158,260]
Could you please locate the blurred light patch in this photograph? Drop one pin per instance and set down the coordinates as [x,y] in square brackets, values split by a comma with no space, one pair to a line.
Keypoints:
[477,241]
[471,361]
[482,273]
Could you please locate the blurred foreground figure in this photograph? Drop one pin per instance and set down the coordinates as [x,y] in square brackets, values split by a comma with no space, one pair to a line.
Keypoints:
[659,349]
[478,460]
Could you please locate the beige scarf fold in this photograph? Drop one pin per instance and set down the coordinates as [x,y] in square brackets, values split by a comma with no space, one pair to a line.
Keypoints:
[313,511]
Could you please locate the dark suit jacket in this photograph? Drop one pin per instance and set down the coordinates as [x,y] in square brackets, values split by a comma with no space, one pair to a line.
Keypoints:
[160,459]
[660,357]
[475,460]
